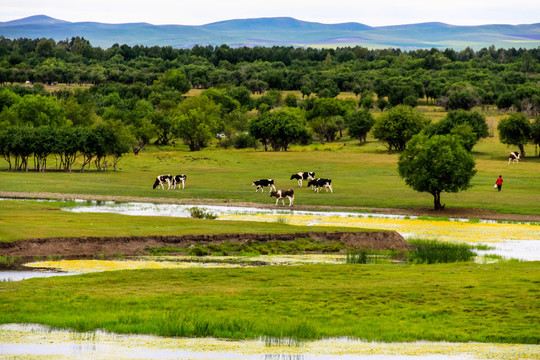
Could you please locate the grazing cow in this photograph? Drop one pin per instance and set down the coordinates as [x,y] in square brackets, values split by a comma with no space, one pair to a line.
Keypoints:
[305,175]
[514,157]
[180,180]
[264,182]
[162,179]
[282,194]
[318,183]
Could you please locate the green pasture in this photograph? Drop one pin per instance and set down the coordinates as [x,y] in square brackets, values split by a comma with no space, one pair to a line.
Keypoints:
[28,220]
[362,176]
[447,302]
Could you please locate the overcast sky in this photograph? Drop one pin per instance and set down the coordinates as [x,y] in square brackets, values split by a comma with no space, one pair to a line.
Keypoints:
[199,12]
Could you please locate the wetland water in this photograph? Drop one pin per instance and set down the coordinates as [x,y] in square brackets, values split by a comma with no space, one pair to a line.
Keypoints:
[40,342]
[509,240]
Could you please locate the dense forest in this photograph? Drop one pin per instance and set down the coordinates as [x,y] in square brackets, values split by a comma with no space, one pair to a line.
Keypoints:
[133,96]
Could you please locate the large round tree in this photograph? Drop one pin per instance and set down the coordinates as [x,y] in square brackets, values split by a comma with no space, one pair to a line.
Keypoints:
[436,164]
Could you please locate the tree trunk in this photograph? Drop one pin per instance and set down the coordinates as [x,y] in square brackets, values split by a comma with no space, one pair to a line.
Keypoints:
[437,201]
[521,151]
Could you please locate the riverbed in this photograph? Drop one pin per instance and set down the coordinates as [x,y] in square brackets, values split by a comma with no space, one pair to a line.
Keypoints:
[508,239]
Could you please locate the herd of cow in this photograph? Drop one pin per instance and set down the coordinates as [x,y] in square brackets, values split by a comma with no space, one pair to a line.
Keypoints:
[314,183]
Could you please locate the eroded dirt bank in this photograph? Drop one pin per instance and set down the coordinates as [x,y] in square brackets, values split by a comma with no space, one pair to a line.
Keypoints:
[468,213]
[137,245]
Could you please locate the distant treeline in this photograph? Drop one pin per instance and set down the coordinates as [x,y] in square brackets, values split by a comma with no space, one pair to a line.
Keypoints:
[490,72]
[138,95]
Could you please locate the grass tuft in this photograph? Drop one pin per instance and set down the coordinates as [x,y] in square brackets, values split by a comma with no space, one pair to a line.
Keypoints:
[435,252]
[200,213]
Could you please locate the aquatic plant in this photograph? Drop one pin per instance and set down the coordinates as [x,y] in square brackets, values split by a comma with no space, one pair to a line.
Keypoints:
[200,213]
[434,252]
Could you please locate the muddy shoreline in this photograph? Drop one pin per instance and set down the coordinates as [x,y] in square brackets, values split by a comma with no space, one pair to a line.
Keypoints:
[467,213]
[138,245]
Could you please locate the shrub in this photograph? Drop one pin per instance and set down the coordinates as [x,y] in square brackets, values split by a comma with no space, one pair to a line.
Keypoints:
[200,213]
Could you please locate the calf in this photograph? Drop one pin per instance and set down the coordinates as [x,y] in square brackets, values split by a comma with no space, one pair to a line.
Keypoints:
[162,179]
[305,175]
[264,182]
[514,157]
[180,180]
[282,194]
[318,183]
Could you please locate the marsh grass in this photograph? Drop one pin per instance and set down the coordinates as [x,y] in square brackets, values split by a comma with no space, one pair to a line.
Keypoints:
[254,248]
[435,252]
[9,260]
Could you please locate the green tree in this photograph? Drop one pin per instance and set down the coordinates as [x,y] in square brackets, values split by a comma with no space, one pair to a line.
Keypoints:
[196,121]
[360,123]
[515,130]
[325,128]
[461,99]
[174,79]
[535,132]
[467,121]
[436,164]
[398,125]
[36,110]
[279,128]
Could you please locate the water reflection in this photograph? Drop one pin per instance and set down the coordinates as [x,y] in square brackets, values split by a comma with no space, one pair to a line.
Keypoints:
[510,240]
[40,342]
[23,275]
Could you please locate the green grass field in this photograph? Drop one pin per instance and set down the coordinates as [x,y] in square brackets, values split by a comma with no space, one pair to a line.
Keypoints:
[452,302]
[362,176]
[21,220]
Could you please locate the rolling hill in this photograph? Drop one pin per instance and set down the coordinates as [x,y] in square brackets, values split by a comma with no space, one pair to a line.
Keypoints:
[280,31]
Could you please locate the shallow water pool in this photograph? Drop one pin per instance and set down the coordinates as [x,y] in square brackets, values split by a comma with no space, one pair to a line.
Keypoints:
[40,342]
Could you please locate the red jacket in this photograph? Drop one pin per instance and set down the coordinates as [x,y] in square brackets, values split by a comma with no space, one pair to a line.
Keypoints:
[499,181]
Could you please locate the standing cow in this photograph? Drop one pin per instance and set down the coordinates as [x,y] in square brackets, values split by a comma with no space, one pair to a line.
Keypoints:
[162,179]
[303,175]
[282,195]
[260,184]
[513,157]
[318,183]
[179,180]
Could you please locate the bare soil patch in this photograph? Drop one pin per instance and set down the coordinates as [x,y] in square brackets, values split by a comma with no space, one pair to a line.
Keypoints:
[138,245]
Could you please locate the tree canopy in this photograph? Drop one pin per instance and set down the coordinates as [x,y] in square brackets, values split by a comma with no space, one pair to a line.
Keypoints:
[436,164]
[398,125]
[515,130]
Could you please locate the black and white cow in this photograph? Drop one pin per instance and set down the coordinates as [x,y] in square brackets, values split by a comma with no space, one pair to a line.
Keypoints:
[318,183]
[513,157]
[305,175]
[163,179]
[282,195]
[179,180]
[262,183]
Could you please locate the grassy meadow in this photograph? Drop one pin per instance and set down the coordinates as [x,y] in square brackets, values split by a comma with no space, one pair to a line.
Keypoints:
[445,302]
[450,302]
[362,176]
[21,220]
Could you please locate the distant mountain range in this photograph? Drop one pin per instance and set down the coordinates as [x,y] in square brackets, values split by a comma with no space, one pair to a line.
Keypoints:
[280,31]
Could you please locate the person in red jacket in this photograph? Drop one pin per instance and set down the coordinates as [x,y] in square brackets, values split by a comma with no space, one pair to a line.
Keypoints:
[499,182]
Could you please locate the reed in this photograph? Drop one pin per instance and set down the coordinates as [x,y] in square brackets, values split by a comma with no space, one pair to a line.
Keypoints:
[435,252]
